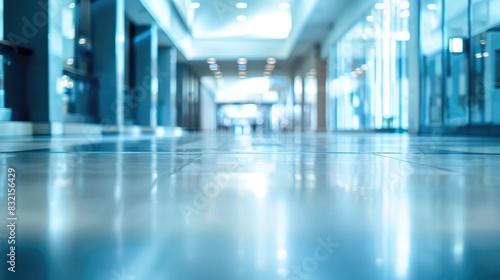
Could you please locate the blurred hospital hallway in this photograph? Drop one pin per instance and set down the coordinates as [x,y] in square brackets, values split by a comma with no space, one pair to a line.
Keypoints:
[284,206]
[249,140]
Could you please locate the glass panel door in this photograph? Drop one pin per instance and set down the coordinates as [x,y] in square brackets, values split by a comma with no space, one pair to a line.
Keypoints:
[456,108]
[432,46]
[2,91]
[485,45]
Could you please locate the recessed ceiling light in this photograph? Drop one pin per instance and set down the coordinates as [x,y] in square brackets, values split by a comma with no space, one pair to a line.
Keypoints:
[267,74]
[242,67]
[195,5]
[370,19]
[432,7]
[242,61]
[271,60]
[211,60]
[241,18]
[405,5]
[405,14]
[284,6]
[281,254]
[379,6]
[241,5]
[72,5]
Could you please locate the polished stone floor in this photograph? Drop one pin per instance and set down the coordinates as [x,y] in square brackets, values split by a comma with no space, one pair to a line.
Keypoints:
[286,206]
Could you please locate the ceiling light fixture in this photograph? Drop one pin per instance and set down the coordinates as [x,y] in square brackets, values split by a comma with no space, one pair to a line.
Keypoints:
[72,5]
[241,18]
[195,5]
[379,6]
[270,67]
[432,7]
[211,60]
[405,5]
[284,6]
[241,5]
[405,14]
[271,61]
[242,61]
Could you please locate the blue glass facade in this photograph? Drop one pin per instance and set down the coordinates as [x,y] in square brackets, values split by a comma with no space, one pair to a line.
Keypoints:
[458,45]
[369,70]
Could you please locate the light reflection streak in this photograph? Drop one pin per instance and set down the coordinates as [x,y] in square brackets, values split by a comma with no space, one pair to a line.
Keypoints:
[119,207]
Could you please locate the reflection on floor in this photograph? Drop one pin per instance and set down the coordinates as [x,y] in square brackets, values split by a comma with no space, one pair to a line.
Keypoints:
[316,206]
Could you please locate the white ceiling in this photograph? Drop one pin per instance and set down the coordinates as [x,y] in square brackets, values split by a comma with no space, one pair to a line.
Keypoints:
[258,19]
[215,32]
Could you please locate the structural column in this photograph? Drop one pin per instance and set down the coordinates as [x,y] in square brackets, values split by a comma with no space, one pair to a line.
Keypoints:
[414,52]
[146,74]
[167,86]
[321,80]
[31,83]
[108,31]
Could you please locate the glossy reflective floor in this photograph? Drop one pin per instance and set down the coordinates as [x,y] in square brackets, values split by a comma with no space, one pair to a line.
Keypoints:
[315,206]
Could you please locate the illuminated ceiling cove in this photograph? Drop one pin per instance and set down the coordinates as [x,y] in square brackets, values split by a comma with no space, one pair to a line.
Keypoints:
[271,19]
[229,29]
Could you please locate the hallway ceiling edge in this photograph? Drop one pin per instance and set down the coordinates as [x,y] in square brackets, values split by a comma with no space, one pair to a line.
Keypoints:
[174,32]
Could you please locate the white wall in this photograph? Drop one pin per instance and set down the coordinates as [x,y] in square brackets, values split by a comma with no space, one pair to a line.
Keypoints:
[208,108]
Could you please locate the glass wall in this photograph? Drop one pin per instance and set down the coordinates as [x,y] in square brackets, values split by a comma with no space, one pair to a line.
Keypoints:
[456,32]
[2,91]
[485,48]
[460,46]
[369,70]
[71,51]
[432,44]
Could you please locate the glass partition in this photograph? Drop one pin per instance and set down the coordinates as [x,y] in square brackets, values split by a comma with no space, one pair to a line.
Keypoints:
[432,45]
[71,56]
[485,25]
[460,40]
[456,107]
[2,90]
[369,70]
